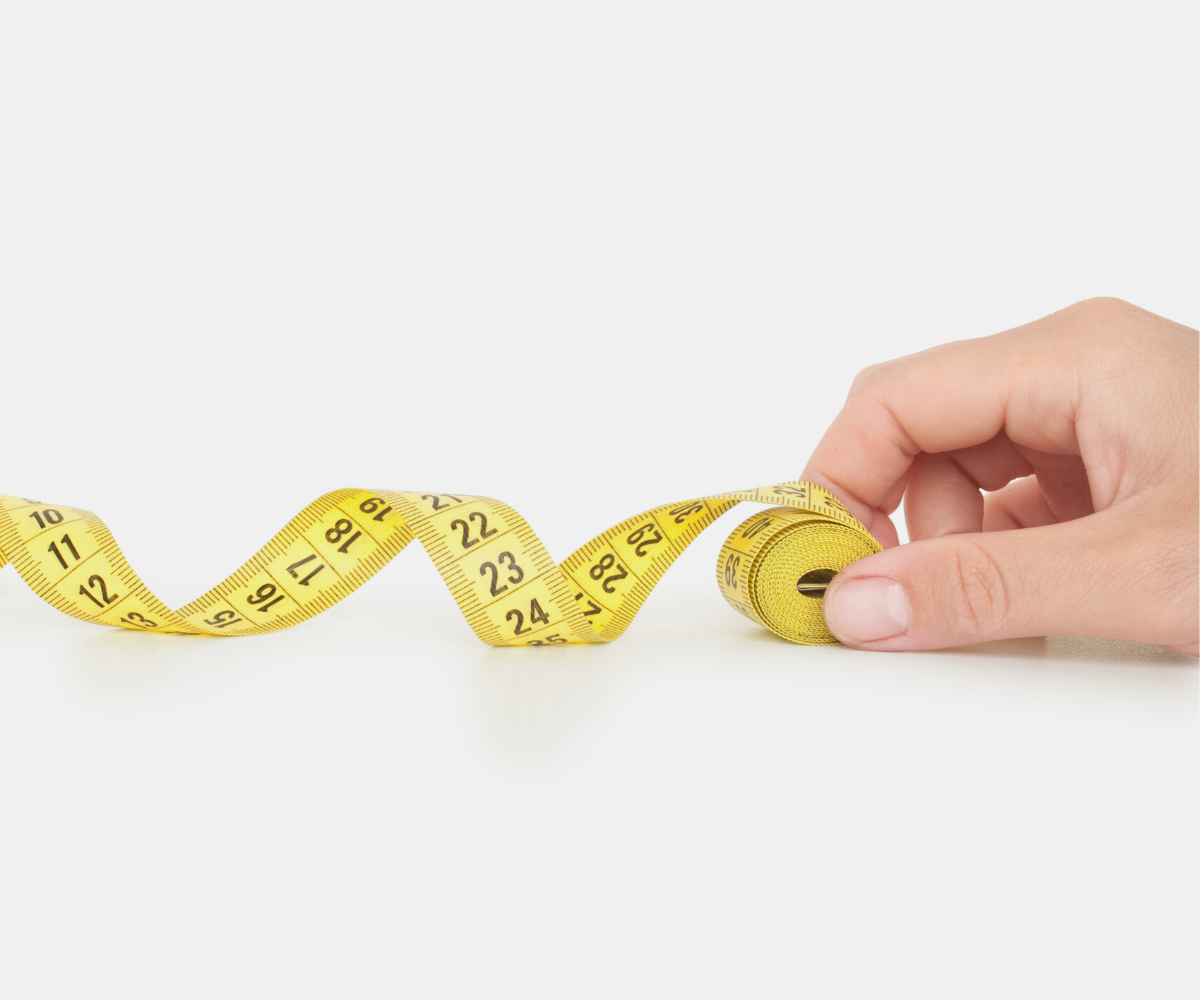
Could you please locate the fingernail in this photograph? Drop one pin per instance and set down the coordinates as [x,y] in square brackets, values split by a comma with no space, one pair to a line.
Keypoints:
[867,609]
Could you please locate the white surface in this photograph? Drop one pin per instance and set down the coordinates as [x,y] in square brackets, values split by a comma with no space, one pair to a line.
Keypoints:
[240,244]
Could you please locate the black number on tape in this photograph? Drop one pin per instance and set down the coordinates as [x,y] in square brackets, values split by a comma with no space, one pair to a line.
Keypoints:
[505,559]
[340,527]
[436,499]
[593,607]
[265,593]
[484,530]
[371,506]
[47,517]
[66,540]
[296,566]
[222,618]
[756,528]
[607,561]
[684,511]
[97,581]
[641,542]
[536,614]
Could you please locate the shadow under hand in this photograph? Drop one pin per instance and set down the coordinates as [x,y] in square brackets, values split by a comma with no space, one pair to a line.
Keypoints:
[1077,648]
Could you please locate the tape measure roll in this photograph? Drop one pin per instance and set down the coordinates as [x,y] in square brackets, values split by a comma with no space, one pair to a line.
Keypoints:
[775,566]
[503,580]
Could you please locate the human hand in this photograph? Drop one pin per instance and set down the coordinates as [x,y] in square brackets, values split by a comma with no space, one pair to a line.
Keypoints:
[1084,426]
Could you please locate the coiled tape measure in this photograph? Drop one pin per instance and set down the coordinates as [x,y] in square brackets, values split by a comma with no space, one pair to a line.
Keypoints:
[773,568]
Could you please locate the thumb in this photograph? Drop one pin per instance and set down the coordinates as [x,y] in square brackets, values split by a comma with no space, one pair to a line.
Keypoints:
[1058,579]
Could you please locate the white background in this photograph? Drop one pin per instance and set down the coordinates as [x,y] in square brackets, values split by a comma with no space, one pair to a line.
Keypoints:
[587,258]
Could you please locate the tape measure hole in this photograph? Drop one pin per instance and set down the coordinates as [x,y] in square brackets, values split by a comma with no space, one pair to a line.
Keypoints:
[813,584]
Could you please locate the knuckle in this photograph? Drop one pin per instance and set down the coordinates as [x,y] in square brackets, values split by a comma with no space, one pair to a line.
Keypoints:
[980,604]
[865,377]
[1101,307]
[1116,333]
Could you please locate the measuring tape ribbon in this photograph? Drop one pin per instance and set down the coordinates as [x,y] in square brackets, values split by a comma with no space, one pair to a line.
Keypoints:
[503,580]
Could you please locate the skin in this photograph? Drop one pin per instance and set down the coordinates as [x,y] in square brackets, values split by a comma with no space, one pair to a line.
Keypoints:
[1082,429]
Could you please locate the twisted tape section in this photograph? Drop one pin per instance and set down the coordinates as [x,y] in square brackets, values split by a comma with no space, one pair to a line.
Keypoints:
[502,578]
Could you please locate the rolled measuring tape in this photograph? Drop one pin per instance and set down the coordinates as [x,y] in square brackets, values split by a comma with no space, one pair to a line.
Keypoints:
[773,568]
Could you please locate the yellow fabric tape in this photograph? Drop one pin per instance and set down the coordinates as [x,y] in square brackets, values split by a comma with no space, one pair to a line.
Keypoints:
[505,583]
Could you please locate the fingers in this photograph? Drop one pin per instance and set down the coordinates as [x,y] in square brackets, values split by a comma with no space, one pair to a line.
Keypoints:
[1101,575]
[1063,481]
[956,396]
[941,499]
[943,490]
[1098,403]
[1021,504]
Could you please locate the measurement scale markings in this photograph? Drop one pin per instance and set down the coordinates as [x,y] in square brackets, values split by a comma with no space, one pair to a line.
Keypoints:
[52,528]
[809,513]
[62,579]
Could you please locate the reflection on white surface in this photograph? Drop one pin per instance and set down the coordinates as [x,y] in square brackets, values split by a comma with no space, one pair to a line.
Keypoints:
[700,801]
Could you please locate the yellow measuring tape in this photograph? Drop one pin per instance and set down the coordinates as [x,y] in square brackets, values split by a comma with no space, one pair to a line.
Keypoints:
[773,567]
